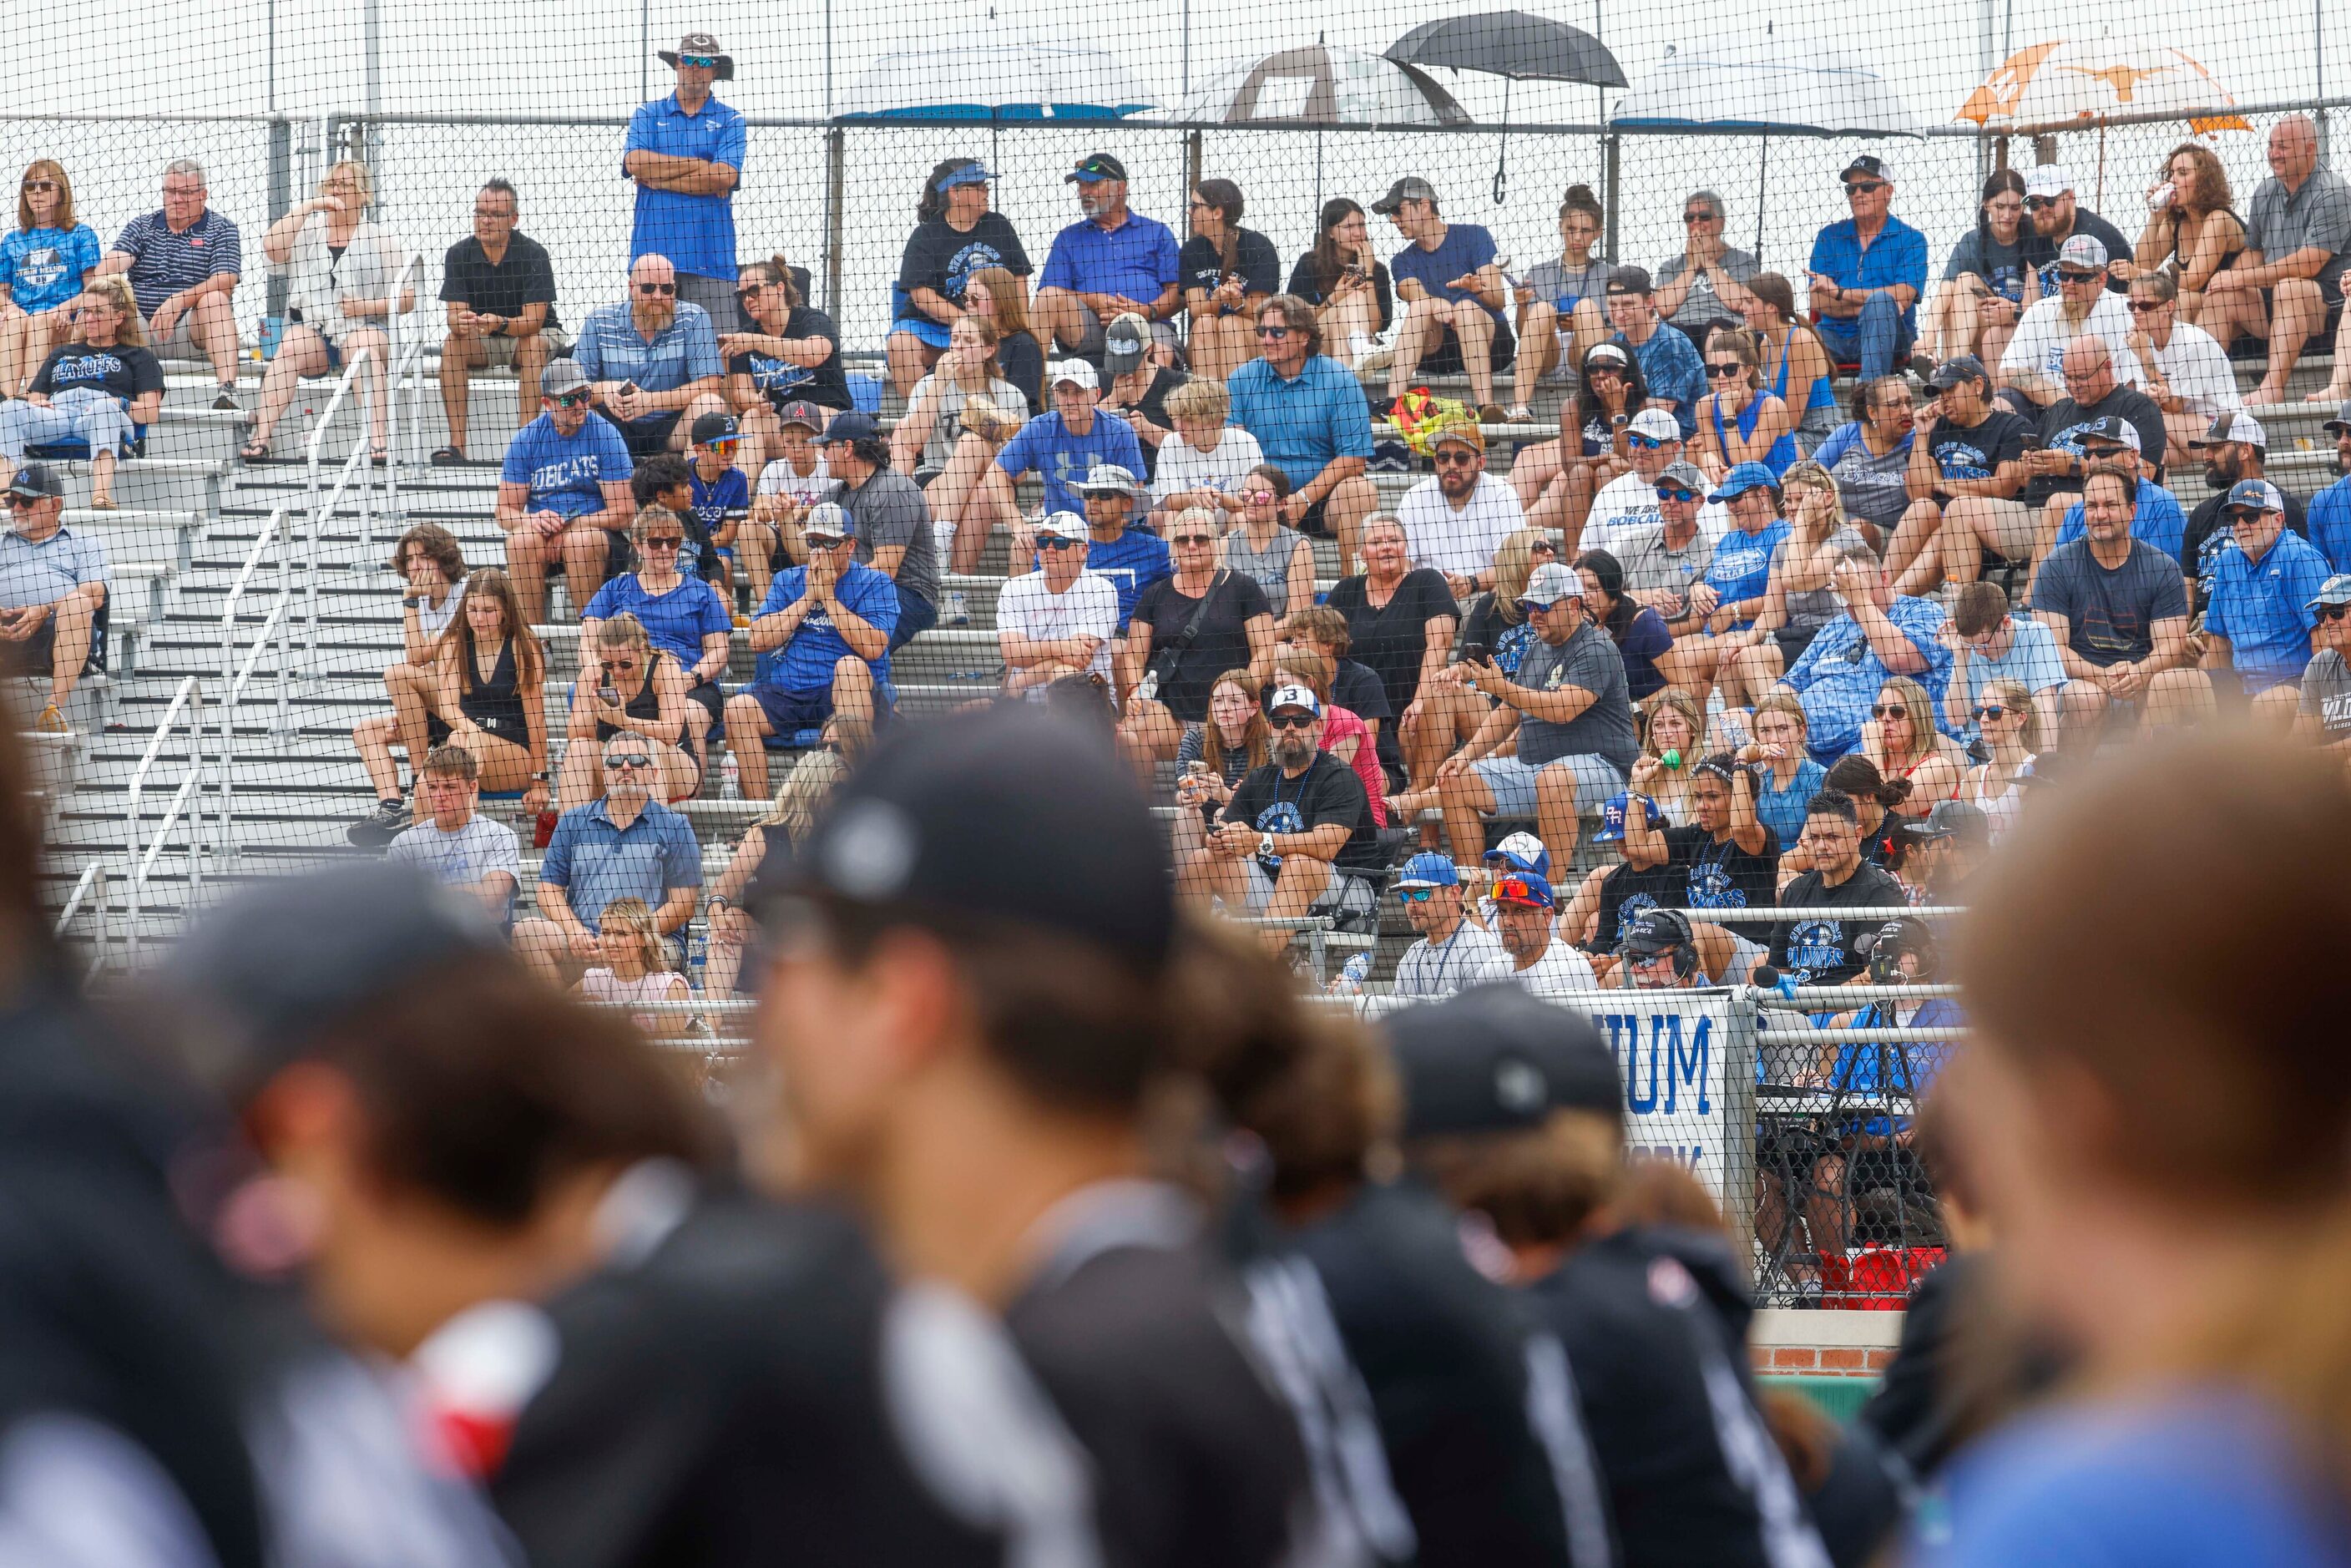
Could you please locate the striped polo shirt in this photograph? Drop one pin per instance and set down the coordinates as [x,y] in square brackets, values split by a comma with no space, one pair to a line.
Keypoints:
[164,263]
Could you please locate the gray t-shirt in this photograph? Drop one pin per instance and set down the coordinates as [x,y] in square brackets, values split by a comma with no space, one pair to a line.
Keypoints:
[1702,304]
[1473,956]
[888,509]
[2326,694]
[478,850]
[2278,224]
[1650,567]
[1605,729]
[1810,611]
[1562,288]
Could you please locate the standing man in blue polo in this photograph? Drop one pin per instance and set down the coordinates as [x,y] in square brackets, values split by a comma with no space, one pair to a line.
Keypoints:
[1065,443]
[686,153]
[1108,263]
[1868,271]
[1308,413]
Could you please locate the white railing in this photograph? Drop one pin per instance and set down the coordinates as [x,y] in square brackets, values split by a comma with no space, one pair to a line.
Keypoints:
[234,677]
[140,855]
[407,349]
[91,884]
[319,510]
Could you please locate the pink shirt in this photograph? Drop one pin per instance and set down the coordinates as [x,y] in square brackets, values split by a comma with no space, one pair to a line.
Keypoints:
[1338,723]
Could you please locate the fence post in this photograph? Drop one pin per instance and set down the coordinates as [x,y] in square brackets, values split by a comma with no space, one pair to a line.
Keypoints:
[1192,153]
[1611,150]
[281,202]
[836,176]
[1739,1057]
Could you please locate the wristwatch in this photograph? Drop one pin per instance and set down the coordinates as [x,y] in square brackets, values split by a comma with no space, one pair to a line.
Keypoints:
[539,777]
[1265,844]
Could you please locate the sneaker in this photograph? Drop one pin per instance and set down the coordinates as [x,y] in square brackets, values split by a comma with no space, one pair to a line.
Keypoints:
[1922,365]
[51,721]
[954,609]
[227,401]
[1375,359]
[380,827]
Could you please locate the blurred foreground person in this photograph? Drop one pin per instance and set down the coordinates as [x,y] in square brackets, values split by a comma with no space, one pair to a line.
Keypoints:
[1360,1288]
[1513,1106]
[969,994]
[2156,1110]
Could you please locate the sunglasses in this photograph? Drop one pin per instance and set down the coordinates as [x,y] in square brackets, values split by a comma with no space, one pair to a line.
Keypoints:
[2036,204]
[2333,612]
[2147,306]
[748,289]
[1454,457]
[1257,497]
[656,289]
[1291,720]
[2065,277]
[1416,895]
[2238,520]
[1642,442]
[1050,542]
[1724,372]
[25,503]
[1543,547]
[1991,711]
[699,62]
[820,541]
[612,665]
[570,400]
[1273,331]
[1191,538]
[666,542]
[40,185]
[1676,492]
[1889,710]
[628,759]
[1698,217]
[1518,890]
[1650,960]
[1863,187]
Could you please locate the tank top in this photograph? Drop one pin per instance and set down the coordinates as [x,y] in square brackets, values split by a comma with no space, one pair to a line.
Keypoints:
[1782,452]
[645,704]
[1999,809]
[2175,265]
[1823,389]
[494,703]
[1267,568]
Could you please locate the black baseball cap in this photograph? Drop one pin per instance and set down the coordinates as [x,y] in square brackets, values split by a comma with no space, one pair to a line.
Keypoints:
[713,427]
[1097,166]
[1016,814]
[2110,427]
[1496,1059]
[849,424]
[1629,280]
[37,481]
[1957,369]
[1868,164]
[1658,931]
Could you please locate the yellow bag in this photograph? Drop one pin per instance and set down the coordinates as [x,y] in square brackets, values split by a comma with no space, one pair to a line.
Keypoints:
[1420,418]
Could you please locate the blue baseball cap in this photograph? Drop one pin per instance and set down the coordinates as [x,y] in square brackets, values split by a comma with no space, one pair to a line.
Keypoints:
[972,174]
[850,426]
[1745,477]
[1524,851]
[1428,869]
[2259,495]
[1097,166]
[1611,816]
[1528,889]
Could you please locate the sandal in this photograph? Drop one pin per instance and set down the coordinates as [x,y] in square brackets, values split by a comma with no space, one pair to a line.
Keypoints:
[379,455]
[448,457]
[104,503]
[254,450]
[1519,413]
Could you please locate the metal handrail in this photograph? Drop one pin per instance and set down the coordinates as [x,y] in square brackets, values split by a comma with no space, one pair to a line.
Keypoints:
[318,511]
[407,347]
[92,881]
[137,866]
[234,678]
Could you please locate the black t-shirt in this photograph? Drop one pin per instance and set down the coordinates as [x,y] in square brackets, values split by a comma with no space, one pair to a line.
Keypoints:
[1507,640]
[1199,264]
[125,370]
[1234,601]
[1444,1354]
[1328,792]
[1628,890]
[1818,950]
[525,277]
[2061,428]
[1393,640]
[1359,691]
[2041,253]
[1722,875]
[1153,406]
[941,257]
[1302,284]
[1977,451]
[781,382]
[2208,535]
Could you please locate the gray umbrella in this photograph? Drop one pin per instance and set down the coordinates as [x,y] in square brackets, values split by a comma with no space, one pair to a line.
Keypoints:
[1516,45]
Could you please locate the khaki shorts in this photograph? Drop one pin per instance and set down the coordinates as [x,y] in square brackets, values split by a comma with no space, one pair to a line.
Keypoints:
[180,342]
[498,351]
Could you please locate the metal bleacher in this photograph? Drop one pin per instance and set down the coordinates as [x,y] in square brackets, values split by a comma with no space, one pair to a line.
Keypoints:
[193,513]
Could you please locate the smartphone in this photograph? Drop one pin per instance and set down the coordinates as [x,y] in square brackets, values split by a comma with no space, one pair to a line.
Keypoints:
[1354,272]
[627,389]
[1477,653]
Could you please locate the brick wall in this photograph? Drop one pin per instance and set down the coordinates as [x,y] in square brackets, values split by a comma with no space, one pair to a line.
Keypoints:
[1824,1343]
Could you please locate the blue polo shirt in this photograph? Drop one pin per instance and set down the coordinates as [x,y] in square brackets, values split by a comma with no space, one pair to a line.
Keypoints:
[1839,674]
[1670,368]
[804,665]
[567,476]
[1465,249]
[677,621]
[1306,422]
[2158,520]
[1063,458]
[1131,562]
[2261,607]
[2329,522]
[595,863]
[1898,255]
[611,348]
[164,263]
[1136,259]
[43,573]
[696,232]
[1741,567]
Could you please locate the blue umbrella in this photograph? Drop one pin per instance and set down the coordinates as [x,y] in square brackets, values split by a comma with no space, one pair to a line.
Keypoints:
[1021,80]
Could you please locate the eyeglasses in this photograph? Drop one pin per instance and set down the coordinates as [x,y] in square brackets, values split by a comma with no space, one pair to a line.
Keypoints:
[1991,711]
[1416,895]
[622,665]
[1454,457]
[1050,542]
[1191,538]
[1642,442]
[1650,960]
[666,542]
[568,400]
[1198,206]
[1889,710]
[1676,492]
[628,759]
[2146,306]
[699,62]
[1292,719]
[1698,217]
[1864,187]
[1724,370]
[40,185]
[2333,612]
[653,289]
[1273,331]
[1257,497]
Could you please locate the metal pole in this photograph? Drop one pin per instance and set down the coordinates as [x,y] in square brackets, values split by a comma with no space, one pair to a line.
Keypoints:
[281,199]
[372,26]
[269,88]
[2318,53]
[645,51]
[1612,148]
[836,158]
[828,60]
[1984,64]
[1187,51]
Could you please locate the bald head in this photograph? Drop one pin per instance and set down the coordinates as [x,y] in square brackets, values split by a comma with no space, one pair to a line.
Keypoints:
[2293,149]
[2089,368]
[653,289]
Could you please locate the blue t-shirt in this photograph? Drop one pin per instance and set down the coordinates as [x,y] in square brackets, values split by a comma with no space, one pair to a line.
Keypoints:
[677,621]
[1838,676]
[1782,811]
[2329,523]
[567,476]
[1132,562]
[713,499]
[696,232]
[1670,368]
[1305,422]
[612,349]
[1136,259]
[1645,640]
[1898,256]
[2263,610]
[595,863]
[2032,662]
[1063,458]
[1864,1067]
[2200,1477]
[1465,249]
[1741,567]
[43,268]
[2158,520]
[803,666]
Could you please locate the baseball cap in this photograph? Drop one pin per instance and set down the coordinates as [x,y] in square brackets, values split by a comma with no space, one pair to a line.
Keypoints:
[2048,180]
[1062,526]
[1428,869]
[1957,369]
[2335,590]
[2237,426]
[1411,188]
[700,44]
[970,819]
[1107,479]
[1549,583]
[1524,850]
[1685,473]
[850,426]
[1527,889]
[1497,1059]
[1655,423]
[972,174]
[1462,432]
[1744,477]
[714,428]
[2085,251]
[2342,420]
[1954,819]
[1613,814]
[1076,372]
[1657,931]
[2254,495]
[2111,427]
[1291,696]
[561,376]
[37,481]
[280,962]
[830,520]
[1125,342]
[804,413]
[1629,280]
[1096,166]
[1867,164]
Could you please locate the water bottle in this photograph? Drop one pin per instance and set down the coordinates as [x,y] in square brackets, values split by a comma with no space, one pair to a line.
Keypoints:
[730,778]
[1351,975]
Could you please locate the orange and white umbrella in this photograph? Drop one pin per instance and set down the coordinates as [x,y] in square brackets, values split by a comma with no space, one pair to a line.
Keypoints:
[2085,80]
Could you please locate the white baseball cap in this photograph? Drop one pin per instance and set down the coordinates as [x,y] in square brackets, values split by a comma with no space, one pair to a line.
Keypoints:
[1076,372]
[1292,696]
[2048,180]
[1656,424]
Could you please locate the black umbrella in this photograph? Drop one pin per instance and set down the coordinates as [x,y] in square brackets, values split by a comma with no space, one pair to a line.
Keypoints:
[1516,45]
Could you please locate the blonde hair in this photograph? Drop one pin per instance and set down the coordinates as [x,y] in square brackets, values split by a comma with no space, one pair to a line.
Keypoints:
[358,172]
[623,631]
[1011,309]
[1199,517]
[1921,709]
[632,917]
[116,288]
[1807,472]
[800,799]
[2015,696]
[1514,562]
[1202,400]
[1682,703]
[1787,703]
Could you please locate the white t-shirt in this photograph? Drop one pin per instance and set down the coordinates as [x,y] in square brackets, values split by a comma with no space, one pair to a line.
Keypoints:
[2039,346]
[1628,503]
[1089,608]
[1183,466]
[600,984]
[479,849]
[1472,957]
[2199,371]
[1561,971]
[433,622]
[1461,543]
[777,479]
